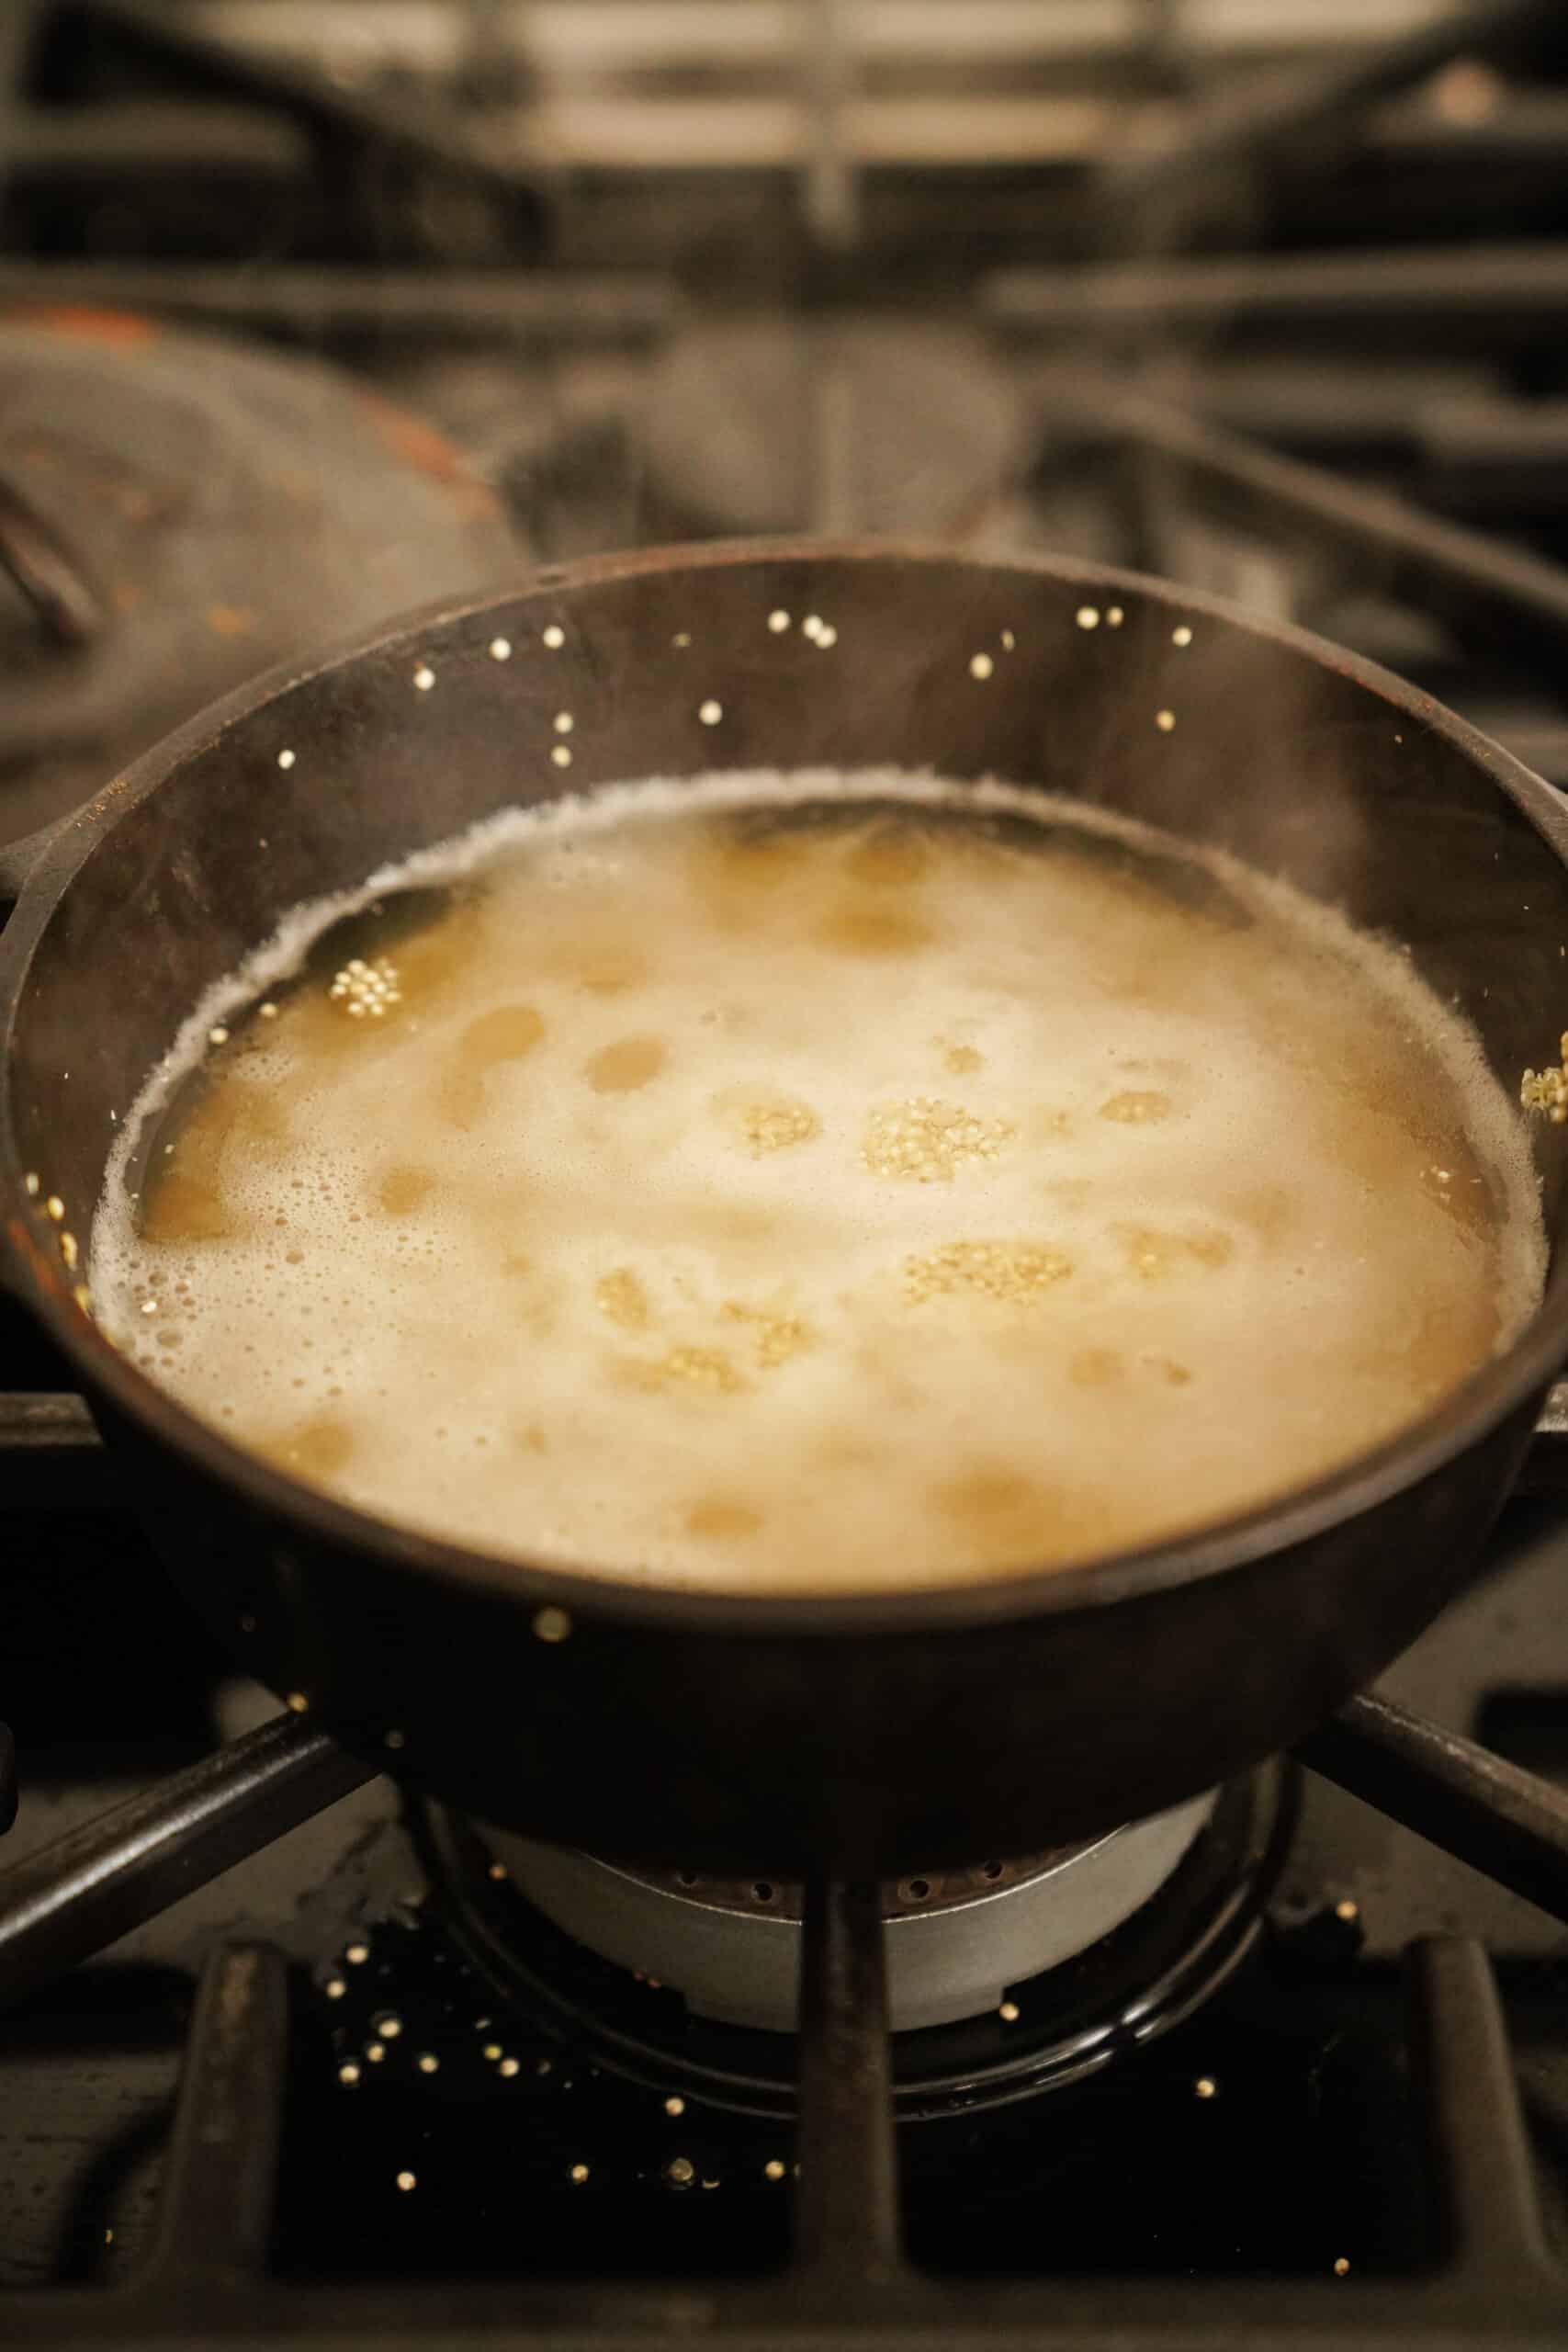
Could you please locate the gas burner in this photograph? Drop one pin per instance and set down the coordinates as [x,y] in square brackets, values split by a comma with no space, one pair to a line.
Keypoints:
[1000,1986]
[956,1939]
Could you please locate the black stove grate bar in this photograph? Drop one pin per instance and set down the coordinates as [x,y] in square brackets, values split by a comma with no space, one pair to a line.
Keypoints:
[72,1898]
[367,127]
[1270,113]
[1441,567]
[51,1455]
[1475,296]
[215,2211]
[561,309]
[1509,1823]
[1485,2178]
[207,2281]
[846,2212]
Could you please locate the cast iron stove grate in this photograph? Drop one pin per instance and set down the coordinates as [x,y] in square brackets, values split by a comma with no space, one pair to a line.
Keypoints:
[835,2270]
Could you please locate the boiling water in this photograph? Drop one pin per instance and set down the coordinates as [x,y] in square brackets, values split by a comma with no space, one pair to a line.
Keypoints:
[812,1182]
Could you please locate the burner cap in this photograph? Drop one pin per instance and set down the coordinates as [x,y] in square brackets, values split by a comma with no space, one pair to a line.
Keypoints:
[956,1939]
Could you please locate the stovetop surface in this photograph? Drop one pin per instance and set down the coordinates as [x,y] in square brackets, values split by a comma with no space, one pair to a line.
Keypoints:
[1275,2133]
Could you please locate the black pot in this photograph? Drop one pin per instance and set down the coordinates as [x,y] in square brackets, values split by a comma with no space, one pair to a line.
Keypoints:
[894,1731]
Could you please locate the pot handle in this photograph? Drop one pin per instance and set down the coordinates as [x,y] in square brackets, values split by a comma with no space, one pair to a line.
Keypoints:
[71,616]
[56,585]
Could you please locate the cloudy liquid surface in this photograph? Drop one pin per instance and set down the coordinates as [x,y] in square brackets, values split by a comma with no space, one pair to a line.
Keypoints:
[817,1182]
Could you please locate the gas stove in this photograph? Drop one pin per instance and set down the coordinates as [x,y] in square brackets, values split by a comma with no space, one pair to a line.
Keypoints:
[1267,300]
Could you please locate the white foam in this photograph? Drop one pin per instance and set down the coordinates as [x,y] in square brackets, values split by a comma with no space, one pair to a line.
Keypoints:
[1200,1307]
